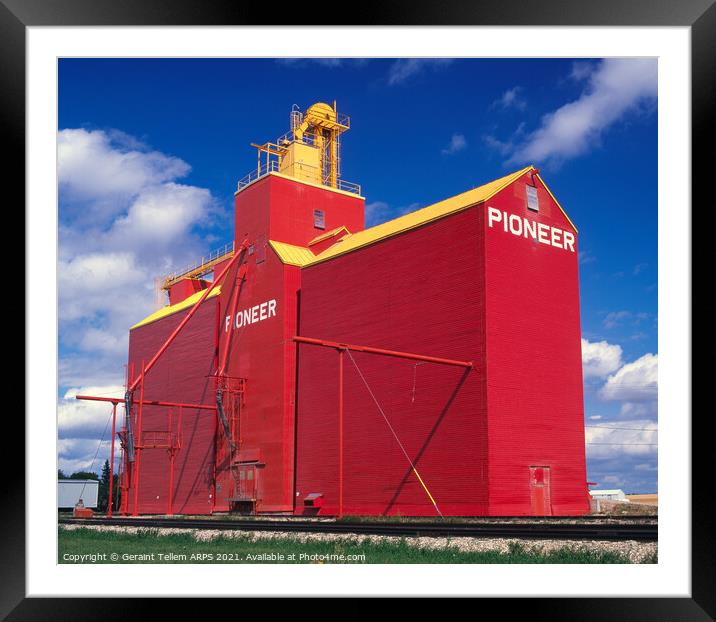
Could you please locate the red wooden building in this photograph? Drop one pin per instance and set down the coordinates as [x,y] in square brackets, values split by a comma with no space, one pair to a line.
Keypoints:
[445,376]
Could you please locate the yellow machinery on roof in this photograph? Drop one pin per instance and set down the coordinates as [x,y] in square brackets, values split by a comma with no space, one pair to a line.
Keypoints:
[310,151]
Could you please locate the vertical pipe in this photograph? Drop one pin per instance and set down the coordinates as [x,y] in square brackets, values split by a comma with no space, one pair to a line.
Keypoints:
[110,497]
[171,465]
[179,440]
[139,442]
[171,479]
[120,475]
[217,349]
[127,472]
[340,433]
[124,484]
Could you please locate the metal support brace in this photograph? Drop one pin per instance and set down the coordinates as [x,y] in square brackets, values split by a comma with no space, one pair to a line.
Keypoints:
[224,420]
[130,432]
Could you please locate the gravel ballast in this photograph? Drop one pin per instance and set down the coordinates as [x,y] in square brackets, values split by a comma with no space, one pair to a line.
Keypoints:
[636,552]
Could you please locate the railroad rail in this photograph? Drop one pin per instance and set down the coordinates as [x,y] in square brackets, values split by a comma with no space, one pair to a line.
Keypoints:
[590,530]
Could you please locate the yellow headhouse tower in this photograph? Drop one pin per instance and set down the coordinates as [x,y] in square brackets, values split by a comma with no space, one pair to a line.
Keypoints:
[310,151]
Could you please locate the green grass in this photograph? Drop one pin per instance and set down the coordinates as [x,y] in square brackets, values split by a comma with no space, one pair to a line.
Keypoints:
[148,546]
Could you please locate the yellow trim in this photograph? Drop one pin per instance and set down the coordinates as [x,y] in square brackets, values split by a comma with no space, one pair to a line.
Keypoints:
[170,309]
[292,255]
[418,218]
[329,234]
[302,181]
[558,205]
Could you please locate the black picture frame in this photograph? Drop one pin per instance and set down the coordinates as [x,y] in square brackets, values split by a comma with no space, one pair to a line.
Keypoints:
[17,15]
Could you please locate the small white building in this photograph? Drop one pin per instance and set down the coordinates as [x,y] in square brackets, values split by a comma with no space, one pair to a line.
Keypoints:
[616,494]
[70,491]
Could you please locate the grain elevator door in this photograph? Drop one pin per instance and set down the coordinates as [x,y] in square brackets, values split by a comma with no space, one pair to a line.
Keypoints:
[540,494]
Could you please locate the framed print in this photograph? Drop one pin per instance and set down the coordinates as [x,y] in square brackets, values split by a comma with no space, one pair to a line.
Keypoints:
[310,301]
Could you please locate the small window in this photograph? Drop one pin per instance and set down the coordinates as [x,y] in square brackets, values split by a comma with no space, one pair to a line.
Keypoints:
[319,219]
[532,200]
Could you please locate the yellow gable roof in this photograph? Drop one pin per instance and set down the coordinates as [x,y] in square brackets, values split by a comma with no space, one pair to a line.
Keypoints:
[418,218]
[300,256]
[169,309]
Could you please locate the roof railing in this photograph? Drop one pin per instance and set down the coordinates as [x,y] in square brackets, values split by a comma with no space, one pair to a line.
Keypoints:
[257,173]
[205,263]
[273,167]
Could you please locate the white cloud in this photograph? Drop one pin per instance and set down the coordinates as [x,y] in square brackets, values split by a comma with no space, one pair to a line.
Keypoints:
[581,70]
[642,409]
[85,428]
[615,87]
[80,419]
[457,143]
[96,164]
[510,99]
[634,382]
[599,359]
[405,68]
[88,368]
[97,340]
[85,281]
[607,440]
[85,454]
[144,224]
[160,216]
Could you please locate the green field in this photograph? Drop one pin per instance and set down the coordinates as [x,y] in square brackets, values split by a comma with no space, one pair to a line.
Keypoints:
[89,546]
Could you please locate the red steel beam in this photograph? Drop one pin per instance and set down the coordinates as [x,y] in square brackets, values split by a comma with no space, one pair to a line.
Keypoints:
[340,433]
[171,467]
[403,355]
[111,461]
[193,310]
[139,444]
[116,400]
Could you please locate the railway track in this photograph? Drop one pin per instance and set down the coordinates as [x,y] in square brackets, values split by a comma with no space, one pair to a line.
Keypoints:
[590,530]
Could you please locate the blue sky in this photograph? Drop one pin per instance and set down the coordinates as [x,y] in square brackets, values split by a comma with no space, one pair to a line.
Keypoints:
[150,151]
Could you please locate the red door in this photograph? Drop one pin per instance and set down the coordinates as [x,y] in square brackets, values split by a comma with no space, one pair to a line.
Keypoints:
[247,483]
[540,495]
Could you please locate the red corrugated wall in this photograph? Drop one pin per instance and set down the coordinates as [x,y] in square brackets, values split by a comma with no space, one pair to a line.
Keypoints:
[461,289]
[263,354]
[282,210]
[180,375]
[534,372]
[420,292]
